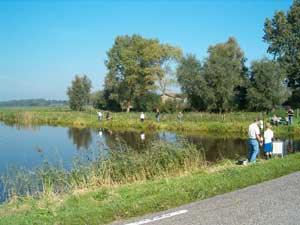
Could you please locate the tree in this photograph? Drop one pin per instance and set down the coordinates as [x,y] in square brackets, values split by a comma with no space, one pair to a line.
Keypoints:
[193,85]
[97,99]
[224,72]
[282,33]
[134,65]
[169,59]
[79,92]
[147,102]
[267,85]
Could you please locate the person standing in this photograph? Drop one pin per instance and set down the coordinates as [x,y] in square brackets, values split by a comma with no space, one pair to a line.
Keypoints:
[157,115]
[254,140]
[108,116]
[275,120]
[100,115]
[179,117]
[142,117]
[268,136]
[290,113]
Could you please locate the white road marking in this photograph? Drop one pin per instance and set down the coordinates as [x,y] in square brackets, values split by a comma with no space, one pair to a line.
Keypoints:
[164,216]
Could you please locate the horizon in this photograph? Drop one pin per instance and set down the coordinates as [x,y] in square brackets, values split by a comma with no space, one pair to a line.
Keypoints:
[45,44]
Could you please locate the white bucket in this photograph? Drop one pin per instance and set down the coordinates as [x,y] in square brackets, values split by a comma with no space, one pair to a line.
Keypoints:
[278,148]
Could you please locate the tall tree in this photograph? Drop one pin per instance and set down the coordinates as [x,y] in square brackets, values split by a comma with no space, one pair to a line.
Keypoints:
[267,85]
[134,65]
[190,78]
[224,72]
[282,33]
[168,62]
[79,92]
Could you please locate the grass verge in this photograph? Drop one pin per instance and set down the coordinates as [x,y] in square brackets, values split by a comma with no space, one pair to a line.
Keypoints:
[107,204]
[233,123]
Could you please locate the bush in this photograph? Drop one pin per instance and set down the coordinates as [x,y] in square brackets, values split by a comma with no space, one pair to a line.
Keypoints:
[146,102]
[171,106]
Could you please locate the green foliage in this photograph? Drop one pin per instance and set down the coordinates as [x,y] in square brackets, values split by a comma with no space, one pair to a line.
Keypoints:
[169,106]
[147,102]
[268,88]
[223,72]
[79,92]
[220,84]
[134,65]
[282,33]
[98,100]
[193,84]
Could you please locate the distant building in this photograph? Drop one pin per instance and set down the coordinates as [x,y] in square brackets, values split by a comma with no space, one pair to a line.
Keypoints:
[173,96]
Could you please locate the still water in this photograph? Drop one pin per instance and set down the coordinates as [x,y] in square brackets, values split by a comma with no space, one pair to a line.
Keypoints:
[27,147]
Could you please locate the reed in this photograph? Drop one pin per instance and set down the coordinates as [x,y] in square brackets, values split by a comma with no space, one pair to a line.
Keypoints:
[120,166]
[104,205]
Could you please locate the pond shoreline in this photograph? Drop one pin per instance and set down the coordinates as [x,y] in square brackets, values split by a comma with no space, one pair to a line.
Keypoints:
[230,124]
[107,204]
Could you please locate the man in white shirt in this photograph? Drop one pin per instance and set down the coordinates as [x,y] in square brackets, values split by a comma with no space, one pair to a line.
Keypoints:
[99,115]
[254,138]
[142,117]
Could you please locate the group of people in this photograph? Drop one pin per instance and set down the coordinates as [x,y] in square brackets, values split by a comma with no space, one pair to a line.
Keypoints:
[257,140]
[107,116]
[142,116]
[288,120]
[157,116]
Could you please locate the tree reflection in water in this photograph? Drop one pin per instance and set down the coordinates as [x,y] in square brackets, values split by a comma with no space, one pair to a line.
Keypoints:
[81,137]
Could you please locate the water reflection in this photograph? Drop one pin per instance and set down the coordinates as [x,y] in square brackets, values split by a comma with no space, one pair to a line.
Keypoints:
[220,148]
[24,145]
[100,133]
[215,148]
[142,136]
[20,126]
[81,137]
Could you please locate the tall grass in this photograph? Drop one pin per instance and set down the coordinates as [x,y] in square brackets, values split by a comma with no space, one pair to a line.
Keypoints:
[103,205]
[232,123]
[122,165]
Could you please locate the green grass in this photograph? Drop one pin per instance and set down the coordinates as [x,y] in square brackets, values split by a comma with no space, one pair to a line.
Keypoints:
[107,204]
[234,123]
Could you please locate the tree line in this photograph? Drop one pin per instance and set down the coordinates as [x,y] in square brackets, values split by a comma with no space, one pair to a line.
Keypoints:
[140,70]
[33,102]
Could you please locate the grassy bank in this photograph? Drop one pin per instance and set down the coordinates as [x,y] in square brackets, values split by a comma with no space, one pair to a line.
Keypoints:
[235,123]
[107,204]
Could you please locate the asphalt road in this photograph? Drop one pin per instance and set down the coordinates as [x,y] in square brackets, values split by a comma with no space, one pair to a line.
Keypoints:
[273,202]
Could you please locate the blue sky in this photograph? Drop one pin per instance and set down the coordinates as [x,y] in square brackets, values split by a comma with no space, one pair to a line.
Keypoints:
[44,44]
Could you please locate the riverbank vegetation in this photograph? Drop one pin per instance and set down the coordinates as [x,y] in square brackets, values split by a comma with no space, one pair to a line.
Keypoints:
[101,205]
[118,166]
[231,124]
